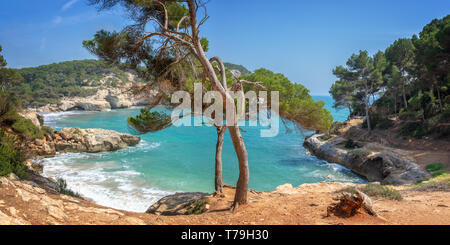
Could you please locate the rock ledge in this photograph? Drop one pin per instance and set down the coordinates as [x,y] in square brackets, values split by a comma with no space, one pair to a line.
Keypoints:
[384,166]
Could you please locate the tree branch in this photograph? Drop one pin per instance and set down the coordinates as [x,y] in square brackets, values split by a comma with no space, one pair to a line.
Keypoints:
[222,70]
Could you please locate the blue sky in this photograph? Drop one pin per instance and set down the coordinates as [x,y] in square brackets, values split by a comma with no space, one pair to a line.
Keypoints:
[302,39]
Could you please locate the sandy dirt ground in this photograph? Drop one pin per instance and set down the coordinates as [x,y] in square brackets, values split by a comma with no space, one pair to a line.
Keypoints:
[23,203]
[424,151]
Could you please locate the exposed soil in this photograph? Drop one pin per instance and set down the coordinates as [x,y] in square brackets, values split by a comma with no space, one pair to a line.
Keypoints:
[424,151]
[22,203]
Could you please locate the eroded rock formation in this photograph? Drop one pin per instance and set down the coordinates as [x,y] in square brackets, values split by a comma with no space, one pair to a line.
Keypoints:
[383,165]
[82,140]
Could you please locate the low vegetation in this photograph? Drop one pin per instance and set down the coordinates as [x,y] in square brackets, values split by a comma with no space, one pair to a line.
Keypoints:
[439,183]
[197,208]
[359,153]
[350,144]
[14,130]
[11,156]
[62,185]
[49,83]
[376,190]
[436,169]
[434,166]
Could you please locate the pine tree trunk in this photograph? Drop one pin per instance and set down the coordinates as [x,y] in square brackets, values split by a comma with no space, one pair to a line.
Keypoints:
[395,104]
[350,111]
[241,152]
[236,137]
[218,179]
[367,113]
[404,96]
[439,97]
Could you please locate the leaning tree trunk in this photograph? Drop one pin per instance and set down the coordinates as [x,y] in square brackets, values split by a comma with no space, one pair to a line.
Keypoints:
[238,142]
[404,96]
[241,152]
[218,177]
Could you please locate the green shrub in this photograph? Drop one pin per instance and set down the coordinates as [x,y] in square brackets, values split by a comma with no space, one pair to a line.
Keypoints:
[8,107]
[62,185]
[407,115]
[359,153]
[197,208]
[434,166]
[415,129]
[350,144]
[378,121]
[375,190]
[438,173]
[27,128]
[11,157]
[46,130]
[436,169]
[335,127]
[325,137]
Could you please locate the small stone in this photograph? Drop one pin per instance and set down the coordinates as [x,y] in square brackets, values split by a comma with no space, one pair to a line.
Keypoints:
[12,211]
[56,212]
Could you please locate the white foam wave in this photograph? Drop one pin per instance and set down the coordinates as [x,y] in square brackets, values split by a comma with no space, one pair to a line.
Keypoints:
[51,118]
[107,183]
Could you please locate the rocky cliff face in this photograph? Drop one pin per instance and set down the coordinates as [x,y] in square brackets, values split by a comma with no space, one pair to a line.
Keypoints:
[82,140]
[383,165]
[106,98]
[36,119]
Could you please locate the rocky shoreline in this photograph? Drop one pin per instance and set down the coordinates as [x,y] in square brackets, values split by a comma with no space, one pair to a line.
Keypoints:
[384,165]
[75,139]
[81,140]
[66,140]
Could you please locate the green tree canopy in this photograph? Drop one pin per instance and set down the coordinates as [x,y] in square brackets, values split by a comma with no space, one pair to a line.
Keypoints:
[409,80]
[2,59]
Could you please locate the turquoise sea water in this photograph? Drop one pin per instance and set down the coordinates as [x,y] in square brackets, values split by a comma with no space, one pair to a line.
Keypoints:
[182,159]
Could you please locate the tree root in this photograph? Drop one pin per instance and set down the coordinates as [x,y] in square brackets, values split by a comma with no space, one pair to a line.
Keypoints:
[234,207]
[218,194]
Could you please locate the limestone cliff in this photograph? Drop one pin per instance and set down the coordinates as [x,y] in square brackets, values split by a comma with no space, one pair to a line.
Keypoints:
[107,97]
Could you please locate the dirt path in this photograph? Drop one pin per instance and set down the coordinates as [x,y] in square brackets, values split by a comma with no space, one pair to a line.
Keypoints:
[22,203]
[424,151]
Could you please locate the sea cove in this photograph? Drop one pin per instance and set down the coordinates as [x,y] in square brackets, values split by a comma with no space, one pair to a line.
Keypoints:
[180,159]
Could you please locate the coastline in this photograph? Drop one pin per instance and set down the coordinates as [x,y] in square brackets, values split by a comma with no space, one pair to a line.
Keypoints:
[336,156]
[384,166]
[308,202]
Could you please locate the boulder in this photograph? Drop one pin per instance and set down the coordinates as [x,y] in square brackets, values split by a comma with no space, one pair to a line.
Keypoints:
[36,119]
[67,133]
[177,204]
[93,140]
[35,166]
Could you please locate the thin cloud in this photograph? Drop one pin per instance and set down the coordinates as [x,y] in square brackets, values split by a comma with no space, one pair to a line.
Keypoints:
[57,20]
[43,44]
[68,5]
